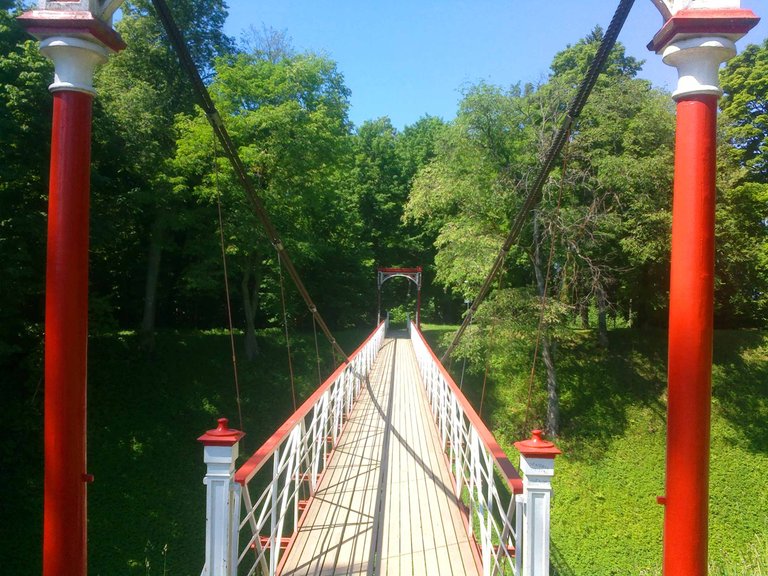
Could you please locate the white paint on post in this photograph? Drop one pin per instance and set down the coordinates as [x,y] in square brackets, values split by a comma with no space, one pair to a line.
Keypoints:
[101,9]
[669,8]
[74,61]
[537,491]
[222,507]
[697,61]
[222,511]
[537,463]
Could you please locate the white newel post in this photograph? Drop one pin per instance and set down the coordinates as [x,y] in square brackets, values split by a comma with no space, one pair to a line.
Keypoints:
[222,509]
[537,462]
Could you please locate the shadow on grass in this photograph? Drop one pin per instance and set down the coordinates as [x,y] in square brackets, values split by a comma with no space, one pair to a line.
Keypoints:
[598,386]
[147,505]
[740,385]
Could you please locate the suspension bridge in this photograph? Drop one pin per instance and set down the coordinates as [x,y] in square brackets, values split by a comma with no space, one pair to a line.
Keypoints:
[385,468]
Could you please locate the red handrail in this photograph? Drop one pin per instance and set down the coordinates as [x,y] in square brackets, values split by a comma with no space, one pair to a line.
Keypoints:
[417,269]
[512,476]
[251,466]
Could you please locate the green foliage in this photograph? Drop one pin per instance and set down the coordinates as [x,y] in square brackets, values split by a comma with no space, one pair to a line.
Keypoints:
[147,505]
[745,107]
[742,234]
[575,60]
[466,194]
[288,117]
[605,519]
[385,164]
[25,110]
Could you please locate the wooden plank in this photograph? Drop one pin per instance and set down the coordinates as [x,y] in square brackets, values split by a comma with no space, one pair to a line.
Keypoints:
[338,516]
[385,505]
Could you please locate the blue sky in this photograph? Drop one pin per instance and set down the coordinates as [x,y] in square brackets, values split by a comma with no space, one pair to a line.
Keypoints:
[405,59]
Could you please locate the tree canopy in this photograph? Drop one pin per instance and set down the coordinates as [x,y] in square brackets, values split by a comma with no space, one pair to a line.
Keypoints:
[438,193]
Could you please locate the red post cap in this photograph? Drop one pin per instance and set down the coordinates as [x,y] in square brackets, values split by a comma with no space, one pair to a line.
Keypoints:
[537,447]
[732,23]
[222,435]
[77,23]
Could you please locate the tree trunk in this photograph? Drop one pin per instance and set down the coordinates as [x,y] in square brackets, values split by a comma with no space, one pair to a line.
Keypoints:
[602,323]
[553,404]
[147,330]
[547,345]
[584,314]
[249,289]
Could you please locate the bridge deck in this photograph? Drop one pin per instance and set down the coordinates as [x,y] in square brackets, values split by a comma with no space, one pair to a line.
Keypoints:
[385,504]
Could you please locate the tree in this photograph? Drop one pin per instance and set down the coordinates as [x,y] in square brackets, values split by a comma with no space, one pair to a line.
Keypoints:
[574,251]
[141,90]
[289,120]
[25,113]
[741,271]
[386,162]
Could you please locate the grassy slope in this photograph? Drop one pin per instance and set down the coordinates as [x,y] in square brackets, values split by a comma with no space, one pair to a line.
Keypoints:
[147,504]
[605,517]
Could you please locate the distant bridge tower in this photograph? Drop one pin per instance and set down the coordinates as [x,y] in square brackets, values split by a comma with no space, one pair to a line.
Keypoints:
[412,274]
[697,36]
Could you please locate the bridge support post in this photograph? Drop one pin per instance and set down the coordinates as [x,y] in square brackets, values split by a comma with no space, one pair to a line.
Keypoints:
[537,463]
[222,508]
[77,36]
[696,40]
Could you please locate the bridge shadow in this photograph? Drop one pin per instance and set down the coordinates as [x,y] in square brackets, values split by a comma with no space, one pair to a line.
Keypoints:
[597,390]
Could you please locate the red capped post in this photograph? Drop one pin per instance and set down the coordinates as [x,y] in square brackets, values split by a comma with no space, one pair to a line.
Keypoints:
[537,463]
[697,36]
[222,508]
[77,36]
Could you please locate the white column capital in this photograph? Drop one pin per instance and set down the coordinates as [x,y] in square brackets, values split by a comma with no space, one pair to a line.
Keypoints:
[697,61]
[75,60]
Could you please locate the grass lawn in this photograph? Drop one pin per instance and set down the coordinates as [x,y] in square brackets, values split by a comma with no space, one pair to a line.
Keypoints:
[605,519]
[147,505]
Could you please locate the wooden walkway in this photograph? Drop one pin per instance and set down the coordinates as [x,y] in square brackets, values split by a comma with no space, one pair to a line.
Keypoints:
[385,504]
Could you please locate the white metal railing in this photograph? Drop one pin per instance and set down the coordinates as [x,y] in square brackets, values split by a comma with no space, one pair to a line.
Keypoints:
[507,517]
[484,479]
[275,482]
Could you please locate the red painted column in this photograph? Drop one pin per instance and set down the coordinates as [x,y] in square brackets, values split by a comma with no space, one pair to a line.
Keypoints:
[690,338]
[419,278]
[696,40]
[418,307]
[77,41]
[66,337]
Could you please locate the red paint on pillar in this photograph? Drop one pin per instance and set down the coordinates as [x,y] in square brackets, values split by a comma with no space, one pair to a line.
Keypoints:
[690,339]
[66,337]
[418,307]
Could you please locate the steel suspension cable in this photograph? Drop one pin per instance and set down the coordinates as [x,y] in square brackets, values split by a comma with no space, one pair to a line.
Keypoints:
[317,352]
[285,326]
[226,285]
[534,195]
[230,150]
